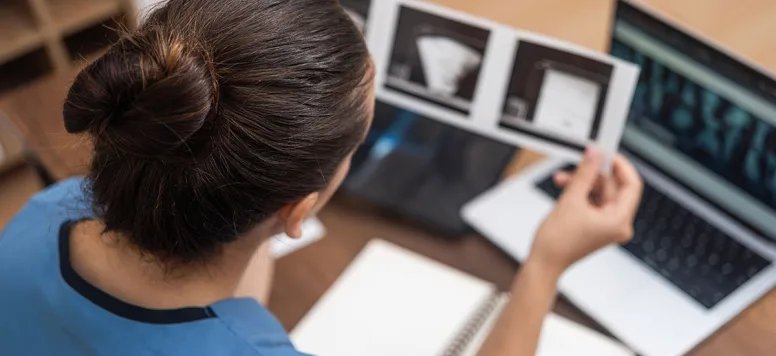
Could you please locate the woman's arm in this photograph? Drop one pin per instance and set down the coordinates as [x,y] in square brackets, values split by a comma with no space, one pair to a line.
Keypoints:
[517,330]
[592,212]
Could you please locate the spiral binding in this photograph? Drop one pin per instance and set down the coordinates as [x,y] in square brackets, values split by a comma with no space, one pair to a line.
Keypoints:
[465,335]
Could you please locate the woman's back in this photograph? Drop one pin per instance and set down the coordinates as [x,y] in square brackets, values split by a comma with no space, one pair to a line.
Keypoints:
[48,309]
[215,126]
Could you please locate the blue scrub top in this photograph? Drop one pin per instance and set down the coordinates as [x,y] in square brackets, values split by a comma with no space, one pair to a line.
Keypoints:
[46,308]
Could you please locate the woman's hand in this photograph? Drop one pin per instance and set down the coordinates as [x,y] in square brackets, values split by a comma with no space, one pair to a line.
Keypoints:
[593,211]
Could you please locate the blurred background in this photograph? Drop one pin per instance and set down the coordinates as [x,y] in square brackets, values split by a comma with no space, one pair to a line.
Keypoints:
[42,39]
[409,178]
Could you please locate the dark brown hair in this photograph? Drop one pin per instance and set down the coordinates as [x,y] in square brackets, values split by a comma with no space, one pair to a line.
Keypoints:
[216,113]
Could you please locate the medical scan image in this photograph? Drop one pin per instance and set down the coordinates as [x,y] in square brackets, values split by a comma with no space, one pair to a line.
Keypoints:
[711,130]
[435,59]
[555,95]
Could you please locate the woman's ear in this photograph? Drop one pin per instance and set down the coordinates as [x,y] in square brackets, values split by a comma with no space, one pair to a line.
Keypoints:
[294,214]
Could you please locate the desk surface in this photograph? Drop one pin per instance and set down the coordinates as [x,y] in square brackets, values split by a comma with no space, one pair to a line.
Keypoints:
[745,26]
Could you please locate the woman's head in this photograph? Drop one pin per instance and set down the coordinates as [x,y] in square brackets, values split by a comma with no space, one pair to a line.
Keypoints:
[217,116]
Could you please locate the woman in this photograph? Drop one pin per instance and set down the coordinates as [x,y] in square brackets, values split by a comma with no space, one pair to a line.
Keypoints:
[215,126]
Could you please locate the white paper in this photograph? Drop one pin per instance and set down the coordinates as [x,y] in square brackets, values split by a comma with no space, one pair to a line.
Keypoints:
[391,301]
[483,114]
[312,230]
[445,61]
[479,338]
[561,337]
[567,105]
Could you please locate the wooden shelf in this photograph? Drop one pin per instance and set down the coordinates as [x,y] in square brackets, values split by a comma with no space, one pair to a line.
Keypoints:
[18,31]
[24,69]
[17,187]
[86,44]
[69,16]
[38,37]
[12,145]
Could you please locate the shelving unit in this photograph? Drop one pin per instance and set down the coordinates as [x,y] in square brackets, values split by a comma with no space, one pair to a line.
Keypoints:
[40,37]
[24,68]
[70,16]
[18,29]
[86,43]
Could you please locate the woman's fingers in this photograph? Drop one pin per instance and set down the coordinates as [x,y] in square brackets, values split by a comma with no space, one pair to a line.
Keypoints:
[629,185]
[561,178]
[603,191]
[624,187]
[586,175]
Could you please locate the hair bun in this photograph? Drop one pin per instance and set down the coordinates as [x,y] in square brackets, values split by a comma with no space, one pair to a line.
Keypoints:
[143,98]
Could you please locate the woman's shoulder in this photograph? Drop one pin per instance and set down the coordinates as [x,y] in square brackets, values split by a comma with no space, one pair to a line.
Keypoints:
[65,200]
[50,208]
[70,189]
[248,320]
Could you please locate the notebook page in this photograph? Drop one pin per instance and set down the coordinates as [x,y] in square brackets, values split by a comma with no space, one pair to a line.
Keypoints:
[482,334]
[559,337]
[389,302]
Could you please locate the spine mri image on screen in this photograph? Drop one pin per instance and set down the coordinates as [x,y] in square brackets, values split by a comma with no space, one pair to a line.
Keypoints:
[701,124]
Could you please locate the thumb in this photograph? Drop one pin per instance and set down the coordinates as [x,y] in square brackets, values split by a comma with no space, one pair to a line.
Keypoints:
[586,175]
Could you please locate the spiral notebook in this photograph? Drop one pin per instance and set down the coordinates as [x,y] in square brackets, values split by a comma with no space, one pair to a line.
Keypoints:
[391,301]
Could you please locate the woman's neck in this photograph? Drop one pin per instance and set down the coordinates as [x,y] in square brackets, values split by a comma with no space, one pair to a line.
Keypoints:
[107,262]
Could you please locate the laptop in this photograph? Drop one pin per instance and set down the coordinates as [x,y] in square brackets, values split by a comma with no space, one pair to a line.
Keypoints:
[423,170]
[702,132]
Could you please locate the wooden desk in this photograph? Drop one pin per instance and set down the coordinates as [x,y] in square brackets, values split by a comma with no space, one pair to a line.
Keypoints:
[745,26]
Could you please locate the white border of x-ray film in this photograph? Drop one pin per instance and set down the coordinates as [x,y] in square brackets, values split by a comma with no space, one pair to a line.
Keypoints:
[493,81]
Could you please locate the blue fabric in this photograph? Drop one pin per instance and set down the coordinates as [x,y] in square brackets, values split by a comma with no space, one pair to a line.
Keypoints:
[41,314]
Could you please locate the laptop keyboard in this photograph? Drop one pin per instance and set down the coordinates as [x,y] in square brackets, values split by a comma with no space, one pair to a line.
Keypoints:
[695,256]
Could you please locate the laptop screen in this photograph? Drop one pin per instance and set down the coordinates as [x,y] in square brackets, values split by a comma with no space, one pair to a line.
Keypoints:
[701,117]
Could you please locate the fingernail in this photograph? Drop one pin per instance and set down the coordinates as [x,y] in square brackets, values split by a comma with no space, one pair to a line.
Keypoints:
[591,154]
